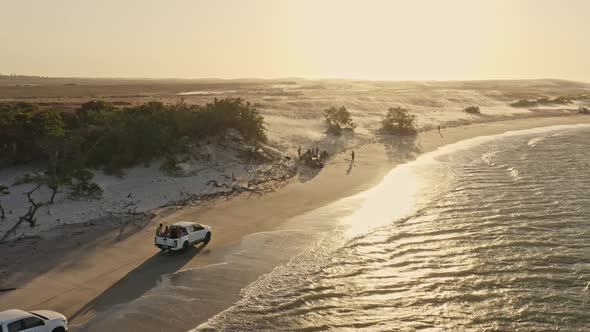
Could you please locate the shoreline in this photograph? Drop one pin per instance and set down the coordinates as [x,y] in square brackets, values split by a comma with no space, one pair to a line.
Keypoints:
[88,271]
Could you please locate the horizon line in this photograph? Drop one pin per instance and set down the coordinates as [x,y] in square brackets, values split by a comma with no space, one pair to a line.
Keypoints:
[289,78]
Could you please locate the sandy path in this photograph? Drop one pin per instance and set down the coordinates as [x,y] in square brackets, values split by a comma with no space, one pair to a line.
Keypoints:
[89,273]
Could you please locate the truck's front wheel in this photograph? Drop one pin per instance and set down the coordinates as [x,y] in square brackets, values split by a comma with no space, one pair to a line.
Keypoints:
[185,245]
[207,238]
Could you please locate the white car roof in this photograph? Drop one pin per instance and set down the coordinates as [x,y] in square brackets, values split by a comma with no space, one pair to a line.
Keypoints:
[184,223]
[13,314]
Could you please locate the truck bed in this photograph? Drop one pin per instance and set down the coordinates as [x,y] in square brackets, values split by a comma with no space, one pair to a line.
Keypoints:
[168,242]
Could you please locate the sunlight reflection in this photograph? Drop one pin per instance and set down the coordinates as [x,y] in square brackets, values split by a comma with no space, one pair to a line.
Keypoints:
[392,199]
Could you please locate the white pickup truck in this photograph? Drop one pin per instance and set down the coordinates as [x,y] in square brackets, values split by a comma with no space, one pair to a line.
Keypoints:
[33,321]
[186,235]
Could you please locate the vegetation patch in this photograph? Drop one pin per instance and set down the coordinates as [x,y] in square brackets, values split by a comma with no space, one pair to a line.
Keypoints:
[82,186]
[543,101]
[171,166]
[399,121]
[472,110]
[338,119]
[100,135]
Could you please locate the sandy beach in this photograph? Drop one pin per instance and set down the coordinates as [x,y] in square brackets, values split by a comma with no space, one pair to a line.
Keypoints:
[89,269]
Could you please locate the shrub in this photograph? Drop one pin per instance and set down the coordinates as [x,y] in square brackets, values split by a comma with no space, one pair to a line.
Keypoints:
[170,166]
[83,187]
[234,113]
[399,121]
[95,112]
[561,100]
[544,101]
[472,110]
[524,103]
[338,119]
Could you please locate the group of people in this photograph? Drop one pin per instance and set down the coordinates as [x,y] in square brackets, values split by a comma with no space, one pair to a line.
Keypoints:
[171,232]
[311,153]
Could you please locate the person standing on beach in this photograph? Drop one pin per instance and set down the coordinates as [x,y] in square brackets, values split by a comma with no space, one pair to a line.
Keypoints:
[299,152]
[352,156]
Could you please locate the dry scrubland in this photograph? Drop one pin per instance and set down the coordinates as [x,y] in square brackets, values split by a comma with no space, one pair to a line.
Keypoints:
[293,107]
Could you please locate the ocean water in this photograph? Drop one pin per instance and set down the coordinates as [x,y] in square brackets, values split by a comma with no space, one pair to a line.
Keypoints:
[490,234]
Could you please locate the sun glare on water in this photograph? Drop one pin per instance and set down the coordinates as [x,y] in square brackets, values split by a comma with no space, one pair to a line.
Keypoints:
[392,199]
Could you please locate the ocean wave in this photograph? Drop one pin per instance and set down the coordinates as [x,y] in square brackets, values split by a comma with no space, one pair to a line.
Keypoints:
[502,242]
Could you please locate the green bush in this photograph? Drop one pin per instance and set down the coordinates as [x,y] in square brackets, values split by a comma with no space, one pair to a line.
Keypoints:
[399,121]
[82,186]
[95,112]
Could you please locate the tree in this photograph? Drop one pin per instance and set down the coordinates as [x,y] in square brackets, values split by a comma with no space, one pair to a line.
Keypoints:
[95,112]
[53,179]
[399,121]
[338,118]
[49,129]
[47,124]
[3,192]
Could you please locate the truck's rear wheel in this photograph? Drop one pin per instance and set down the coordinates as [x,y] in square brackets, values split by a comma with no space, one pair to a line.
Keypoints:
[207,238]
[185,245]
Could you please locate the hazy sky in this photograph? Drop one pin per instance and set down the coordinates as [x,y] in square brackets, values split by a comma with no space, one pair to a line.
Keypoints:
[369,39]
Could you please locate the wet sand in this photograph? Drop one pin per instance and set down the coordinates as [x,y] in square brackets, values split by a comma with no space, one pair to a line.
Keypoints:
[100,267]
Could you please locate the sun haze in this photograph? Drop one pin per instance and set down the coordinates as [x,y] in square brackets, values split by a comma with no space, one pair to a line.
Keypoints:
[393,40]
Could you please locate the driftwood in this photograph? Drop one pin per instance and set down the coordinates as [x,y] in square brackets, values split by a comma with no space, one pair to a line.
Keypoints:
[232,190]
[7,289]
[266,181]
[214,183]
[129,208]
[28,217]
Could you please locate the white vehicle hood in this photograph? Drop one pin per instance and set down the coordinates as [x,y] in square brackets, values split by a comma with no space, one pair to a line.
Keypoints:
[49,314]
